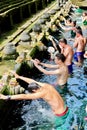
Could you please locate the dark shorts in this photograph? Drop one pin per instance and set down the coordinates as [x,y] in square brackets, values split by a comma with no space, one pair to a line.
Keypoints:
[73,34]
[77,54]
[70,68]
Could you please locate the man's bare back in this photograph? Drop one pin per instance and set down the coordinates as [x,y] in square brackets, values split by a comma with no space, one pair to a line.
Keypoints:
[80,44]
[46,91]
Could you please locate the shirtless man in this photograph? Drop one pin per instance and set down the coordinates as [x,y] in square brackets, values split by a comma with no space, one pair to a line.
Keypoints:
[45,91]
[60,69]
[79,44]
[67,51]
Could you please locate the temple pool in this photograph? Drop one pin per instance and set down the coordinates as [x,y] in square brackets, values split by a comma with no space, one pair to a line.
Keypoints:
[37,114]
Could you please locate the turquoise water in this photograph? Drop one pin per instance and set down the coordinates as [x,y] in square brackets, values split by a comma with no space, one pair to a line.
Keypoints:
[38,115]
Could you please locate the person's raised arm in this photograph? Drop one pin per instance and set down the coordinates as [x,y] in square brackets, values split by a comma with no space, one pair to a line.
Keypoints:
[51,72]
[65,28]
[45,64]
[53,42]
[28,80]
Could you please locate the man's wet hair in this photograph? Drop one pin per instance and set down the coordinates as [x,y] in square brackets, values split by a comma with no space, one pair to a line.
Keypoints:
[78,28]
[63,40]
[79,31]
[33,86]
[74,22]
[61,57]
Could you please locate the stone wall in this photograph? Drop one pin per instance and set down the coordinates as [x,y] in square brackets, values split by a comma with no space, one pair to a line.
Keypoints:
[17,11]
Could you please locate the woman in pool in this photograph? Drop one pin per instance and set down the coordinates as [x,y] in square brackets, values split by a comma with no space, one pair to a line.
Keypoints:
[72,28]
[84,19]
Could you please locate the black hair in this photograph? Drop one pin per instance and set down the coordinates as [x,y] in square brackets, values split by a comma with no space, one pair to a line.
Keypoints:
[79,31]
[63,40]
[33,86]
[85,70]
[60,56]
[74,22]
[78,28]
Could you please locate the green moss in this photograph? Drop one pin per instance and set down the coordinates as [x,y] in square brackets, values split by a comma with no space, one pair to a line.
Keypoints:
[34,51]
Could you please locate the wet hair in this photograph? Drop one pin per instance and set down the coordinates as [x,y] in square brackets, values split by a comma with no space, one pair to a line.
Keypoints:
[33,86]
[78,28]
[74,22]
[60,56]
[63,40]
[79,31]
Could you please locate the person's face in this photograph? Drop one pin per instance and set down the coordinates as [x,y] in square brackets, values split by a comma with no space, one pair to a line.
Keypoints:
[68,21]
[72,23]
[83,14]
[56,60]
[61,44]
[77,34]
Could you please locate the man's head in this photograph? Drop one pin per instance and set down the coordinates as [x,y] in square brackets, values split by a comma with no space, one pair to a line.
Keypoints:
[84,14]
[62,42]
[33,86]
[59,58]
[69,20]
[78,28]
[73,23]
[78,32]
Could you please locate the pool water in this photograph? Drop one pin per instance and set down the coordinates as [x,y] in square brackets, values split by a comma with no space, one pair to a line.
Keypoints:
[37,114]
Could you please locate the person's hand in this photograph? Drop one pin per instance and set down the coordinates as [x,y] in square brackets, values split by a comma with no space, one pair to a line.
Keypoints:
[36,61]
[15,74]
[3,97]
